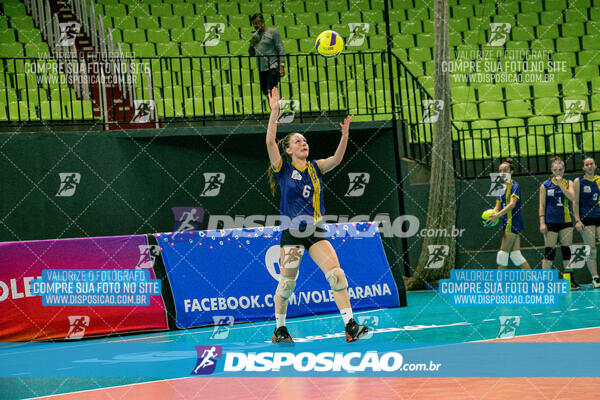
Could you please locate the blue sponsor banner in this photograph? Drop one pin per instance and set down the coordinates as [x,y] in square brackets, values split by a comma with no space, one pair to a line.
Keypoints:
[235,272]
[181,359]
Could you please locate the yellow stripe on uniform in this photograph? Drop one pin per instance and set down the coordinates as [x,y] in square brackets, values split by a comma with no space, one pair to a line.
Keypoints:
[317,190]
[509,213]
[566,204]
[597,180]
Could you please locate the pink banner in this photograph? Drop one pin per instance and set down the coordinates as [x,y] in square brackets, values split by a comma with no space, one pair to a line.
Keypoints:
[22,315]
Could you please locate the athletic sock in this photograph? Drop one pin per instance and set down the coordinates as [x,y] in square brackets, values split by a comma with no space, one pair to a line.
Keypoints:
[346,314]
[280,320]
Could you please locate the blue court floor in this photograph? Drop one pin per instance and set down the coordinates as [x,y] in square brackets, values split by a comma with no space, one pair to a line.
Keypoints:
[429,318]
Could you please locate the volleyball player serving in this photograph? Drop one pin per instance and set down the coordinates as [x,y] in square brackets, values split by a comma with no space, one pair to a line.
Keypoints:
[300,182]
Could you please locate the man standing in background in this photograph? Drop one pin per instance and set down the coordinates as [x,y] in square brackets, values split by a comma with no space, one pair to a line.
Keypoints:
[267,45]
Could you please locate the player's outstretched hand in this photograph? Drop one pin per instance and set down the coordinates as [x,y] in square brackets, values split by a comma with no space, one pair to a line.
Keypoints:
[346,125]
[273,95]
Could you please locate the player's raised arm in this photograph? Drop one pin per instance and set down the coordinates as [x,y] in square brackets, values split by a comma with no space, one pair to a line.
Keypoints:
[274,156]
[329,163]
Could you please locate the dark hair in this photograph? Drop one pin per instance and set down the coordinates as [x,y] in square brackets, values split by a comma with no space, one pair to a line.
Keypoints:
[509,162]
[254,16]
[586,157]
[282,144]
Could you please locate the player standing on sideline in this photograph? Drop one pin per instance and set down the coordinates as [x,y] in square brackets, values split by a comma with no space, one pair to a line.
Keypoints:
[267,45]
[508,206]
[586,209]
[555,216]
[300,182]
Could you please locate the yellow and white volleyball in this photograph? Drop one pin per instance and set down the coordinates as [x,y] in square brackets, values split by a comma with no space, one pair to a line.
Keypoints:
[329,44]
[486,216]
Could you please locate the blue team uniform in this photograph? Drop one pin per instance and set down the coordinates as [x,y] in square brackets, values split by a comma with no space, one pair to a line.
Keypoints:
[589,197]
[301,191]
[557,204]
[512,220]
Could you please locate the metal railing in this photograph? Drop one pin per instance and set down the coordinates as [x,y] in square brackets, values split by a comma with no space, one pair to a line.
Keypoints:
[532,147]
[193,88]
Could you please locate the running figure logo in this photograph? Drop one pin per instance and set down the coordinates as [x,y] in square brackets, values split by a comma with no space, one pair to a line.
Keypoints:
[222,325]
[148,254]
[432,110]
[212,35]
[287,111]
[273,255]
[499,33]
[358,183]
[508,326]
[212,183]
[207,359]
[370,321]
[68,32]
[499,180]
[68,183]
[579,255]
[77,325]
[358,33]
[437,255]
[573,110]
[187,218]
[144,110]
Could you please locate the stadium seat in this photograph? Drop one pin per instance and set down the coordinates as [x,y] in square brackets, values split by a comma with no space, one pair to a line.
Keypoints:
[491,110]
[182,35]
[517,91]
[483,129]
[501,147]
[465,112]
[532,145]
[463,94]
[563,144]
[490,92]
[590,142]
[308,18]
[528,19]
[512,127]
[541,125]
[518,108]
[473,149]
[591,42]
[547,106]
[587,72]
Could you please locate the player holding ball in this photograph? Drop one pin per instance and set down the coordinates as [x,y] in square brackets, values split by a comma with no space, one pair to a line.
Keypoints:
[508,207]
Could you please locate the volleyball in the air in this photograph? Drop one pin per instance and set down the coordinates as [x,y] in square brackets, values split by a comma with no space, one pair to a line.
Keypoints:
[329,44]
[486,216]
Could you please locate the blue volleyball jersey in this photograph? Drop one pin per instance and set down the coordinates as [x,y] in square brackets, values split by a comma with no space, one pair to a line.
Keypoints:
[512,220]
[301,190]
[589,197]
[557,204]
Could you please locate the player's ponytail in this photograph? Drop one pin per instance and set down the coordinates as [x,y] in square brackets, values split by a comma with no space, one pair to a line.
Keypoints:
[282,144]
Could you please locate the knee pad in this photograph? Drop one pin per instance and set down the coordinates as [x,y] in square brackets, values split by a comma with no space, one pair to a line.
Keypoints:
[286,287]
[566,252]
[517,258]
[502,258]
[337,279]
[549,253]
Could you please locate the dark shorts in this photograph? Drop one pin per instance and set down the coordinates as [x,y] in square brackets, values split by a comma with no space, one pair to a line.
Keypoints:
[268,79]
[558,226]
[295,237]
[590,221]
